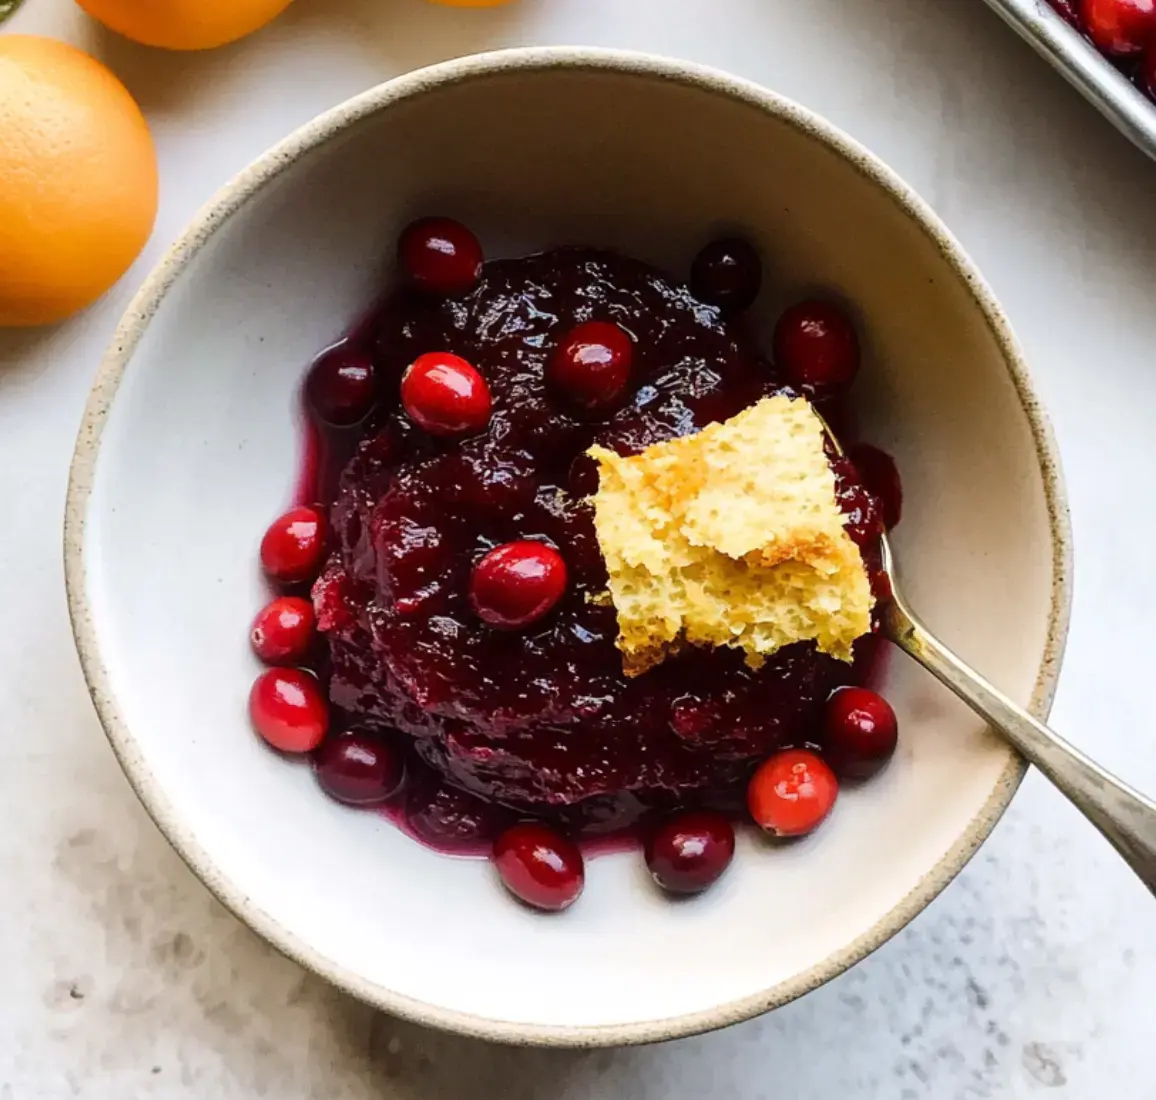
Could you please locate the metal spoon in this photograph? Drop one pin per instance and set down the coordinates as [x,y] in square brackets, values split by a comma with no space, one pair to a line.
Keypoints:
[1126,817]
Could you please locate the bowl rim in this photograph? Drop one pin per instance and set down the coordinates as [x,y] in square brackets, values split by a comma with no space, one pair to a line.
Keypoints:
[266,168]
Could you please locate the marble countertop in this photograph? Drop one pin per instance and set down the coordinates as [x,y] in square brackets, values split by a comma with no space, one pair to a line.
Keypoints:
[1029,976]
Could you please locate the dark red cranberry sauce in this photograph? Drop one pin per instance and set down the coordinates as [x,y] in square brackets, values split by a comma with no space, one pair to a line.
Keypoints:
[541,722]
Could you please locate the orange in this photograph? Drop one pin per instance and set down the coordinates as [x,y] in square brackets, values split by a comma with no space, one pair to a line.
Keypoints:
[184,24]
[78,180]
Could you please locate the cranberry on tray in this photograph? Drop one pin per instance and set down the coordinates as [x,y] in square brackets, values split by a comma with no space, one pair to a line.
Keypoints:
[1120,28]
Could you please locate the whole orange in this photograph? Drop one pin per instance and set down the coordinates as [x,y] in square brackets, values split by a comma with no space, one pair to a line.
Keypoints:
[78,180]
[184,24]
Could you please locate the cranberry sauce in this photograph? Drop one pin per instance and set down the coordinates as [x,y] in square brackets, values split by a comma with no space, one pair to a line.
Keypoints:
[504,724]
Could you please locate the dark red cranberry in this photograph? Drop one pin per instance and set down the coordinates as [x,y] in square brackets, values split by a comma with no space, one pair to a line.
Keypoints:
[1121,28]
[792,793]
[517,583]
[288,709]
[445,395]
[727,274]
[359,768]
[816,347]
[591,365]
[880,477]
[540,867]
[860,732]
[1148,72]
[342,385]
[1067,11]
[283,631]
[294,546]
[688,853]
[441,256]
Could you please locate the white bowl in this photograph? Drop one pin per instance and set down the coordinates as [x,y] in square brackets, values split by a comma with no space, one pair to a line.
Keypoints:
[190,445]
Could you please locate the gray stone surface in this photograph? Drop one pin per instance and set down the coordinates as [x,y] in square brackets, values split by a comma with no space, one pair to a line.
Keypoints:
[1029,977]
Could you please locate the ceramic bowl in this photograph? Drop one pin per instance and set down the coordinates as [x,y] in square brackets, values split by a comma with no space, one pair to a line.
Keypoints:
[190,444]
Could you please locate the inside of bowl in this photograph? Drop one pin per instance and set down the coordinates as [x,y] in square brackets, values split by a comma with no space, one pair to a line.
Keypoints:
[201,449]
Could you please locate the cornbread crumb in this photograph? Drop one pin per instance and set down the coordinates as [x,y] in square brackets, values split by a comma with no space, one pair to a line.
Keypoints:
[733,537]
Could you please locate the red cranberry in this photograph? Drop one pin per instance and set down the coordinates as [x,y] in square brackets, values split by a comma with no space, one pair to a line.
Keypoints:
[517,583]
[1066,9]
[441,256]
[1122,28]
[283,631]
[1148,72]
[592,364]
[816,347]
[792,792]
[289,710]
[880,477]
[293,546]
[342,385]
[445,395]
[540,867]
[688,853]
[727,274]
[860,732]
[359,768]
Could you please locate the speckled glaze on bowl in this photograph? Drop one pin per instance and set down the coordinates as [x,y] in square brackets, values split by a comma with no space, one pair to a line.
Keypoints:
[189,445]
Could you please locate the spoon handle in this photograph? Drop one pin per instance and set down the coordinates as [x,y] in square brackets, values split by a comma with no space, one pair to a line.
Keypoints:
[1126,817]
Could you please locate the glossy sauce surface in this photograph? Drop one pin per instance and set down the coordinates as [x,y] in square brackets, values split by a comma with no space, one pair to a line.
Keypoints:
[540,722]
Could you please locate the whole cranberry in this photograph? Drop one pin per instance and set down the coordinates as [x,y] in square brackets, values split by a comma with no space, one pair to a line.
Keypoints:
[289,710]
[860,732]
[540,867]
[359,768]
[689,852]
[792,793]
[342,385]
[1148,72]
[816,347]
[591,365]
[517,583]
[445,395]
[1122,28]
[727,273]
[283,631]
[880,476]
[293,546]
[440,256]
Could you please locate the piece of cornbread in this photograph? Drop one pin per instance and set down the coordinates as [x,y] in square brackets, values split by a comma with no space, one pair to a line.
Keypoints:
[732,537]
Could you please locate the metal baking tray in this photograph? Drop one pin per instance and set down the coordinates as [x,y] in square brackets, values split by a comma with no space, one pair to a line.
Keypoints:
[1110,92]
